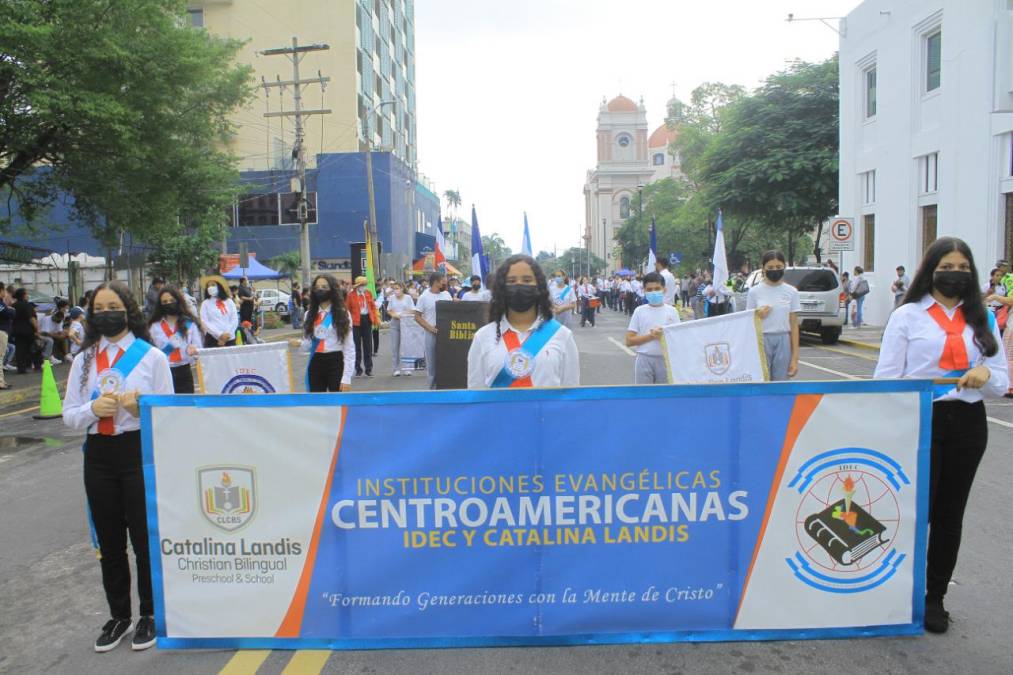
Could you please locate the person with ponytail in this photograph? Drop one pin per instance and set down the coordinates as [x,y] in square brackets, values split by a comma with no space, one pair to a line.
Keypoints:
[328,338]
[943,330]
[176,331]
[116,365]
[218,314]
[524,345]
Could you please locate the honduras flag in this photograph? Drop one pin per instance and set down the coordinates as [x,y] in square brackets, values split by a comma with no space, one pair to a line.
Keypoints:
[652,253]
[479,263]
[526,242]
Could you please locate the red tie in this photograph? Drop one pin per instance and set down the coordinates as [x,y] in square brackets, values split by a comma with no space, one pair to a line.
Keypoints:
[317,322]
[106,426]
[954,351]
[512,342]
[221,306]
[175,356]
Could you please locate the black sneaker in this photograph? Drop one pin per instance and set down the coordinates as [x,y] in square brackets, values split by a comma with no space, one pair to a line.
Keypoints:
[112,633]
[144,635]
[369,373]
[937,619]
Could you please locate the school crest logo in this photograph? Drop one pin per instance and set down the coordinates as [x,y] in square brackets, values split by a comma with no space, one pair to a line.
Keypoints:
[847,520]
[227,495]
[248,383]
[718,356]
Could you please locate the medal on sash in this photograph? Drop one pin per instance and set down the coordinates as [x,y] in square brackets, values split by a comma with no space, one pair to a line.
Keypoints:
[320,332]
[110,381]
[520,360]
[520,363]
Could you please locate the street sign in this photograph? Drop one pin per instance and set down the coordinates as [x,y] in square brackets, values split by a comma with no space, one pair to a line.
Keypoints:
[842,235]
[244,255]
[675,258]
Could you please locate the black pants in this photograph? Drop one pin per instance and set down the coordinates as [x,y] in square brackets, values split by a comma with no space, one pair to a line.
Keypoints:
[211,343]
[363,337]
[182,379]
[586,313]
[114,483]
[376,341]
[959,437]
[718,308]
[325,371]
[24,358]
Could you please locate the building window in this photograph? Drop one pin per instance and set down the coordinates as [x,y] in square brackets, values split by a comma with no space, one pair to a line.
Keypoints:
[624,207]
[659,159]
[870,92]
[933,60]
[255,210]
[196,17]
[868,180]
[869,241]
[928,173]
[930,225]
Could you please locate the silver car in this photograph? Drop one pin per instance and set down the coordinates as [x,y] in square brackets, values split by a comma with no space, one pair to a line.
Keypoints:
[819,291]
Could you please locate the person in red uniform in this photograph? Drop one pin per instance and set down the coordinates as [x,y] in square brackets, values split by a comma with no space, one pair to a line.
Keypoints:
[362,307]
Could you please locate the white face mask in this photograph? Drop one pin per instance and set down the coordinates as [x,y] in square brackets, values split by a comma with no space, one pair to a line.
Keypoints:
[213,291]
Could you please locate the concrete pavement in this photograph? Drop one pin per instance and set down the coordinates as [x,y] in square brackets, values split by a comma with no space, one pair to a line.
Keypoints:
[51,605]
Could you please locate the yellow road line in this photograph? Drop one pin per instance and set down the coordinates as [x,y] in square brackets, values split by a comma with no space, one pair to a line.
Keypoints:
[307,662]
[245,662]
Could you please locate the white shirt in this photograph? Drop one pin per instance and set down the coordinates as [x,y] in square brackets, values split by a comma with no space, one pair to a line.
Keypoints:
[646,317]
[671,286]
[150,376]
[76,328]
[587,291]
[782,300]
[482,295]
[332,343]
[402,305]
[217,322]
[626,287]
[48,325]
[913,344]
[556,295]
[905,284]
[426,306]
[557,364]
[159,339]
[637,287]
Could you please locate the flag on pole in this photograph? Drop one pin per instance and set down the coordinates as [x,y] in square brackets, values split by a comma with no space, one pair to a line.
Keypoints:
[719,259]
[652,253]
[370,263]
[526,243]
[440,260]
[479,262]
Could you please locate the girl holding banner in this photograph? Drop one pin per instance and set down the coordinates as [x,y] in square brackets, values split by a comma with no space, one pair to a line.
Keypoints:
[115,366]
[524,345]
[176,331]
[777,304]
[943,330]
[328,338]
[218,314]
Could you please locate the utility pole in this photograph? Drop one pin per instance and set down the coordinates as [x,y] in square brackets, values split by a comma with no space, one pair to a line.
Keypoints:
[368,132]
[295,54]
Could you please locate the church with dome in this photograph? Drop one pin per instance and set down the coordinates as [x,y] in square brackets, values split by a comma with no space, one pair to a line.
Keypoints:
[628,157]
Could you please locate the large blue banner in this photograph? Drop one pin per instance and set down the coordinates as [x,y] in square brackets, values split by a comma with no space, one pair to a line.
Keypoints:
[542,516]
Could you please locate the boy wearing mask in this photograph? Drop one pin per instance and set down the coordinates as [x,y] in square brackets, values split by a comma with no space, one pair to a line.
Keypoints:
[645,331]
[476,293]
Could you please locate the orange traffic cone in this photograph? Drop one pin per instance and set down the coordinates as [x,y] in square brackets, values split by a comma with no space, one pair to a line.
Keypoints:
[50,406]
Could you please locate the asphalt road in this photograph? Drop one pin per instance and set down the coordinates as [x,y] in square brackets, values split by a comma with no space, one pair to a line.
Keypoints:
[51,605]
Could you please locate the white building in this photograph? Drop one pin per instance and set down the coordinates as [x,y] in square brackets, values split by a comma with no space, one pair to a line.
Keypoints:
[627,160]
[926,122]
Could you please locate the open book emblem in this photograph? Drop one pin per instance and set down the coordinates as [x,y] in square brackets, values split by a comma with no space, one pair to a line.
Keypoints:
[847,533]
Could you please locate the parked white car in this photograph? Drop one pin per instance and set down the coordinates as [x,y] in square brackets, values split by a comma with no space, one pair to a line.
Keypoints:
[819,291]
[273,300]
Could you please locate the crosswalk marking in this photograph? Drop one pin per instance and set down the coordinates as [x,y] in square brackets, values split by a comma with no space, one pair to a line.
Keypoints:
[245,662]
[307,662]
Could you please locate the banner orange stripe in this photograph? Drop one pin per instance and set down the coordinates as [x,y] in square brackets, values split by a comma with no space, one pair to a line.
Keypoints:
[291,625]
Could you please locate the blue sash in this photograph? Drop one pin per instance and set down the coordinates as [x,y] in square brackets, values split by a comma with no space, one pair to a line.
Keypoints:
[127,362]
[530,347]
[941,390]
[566,291]
[326,323]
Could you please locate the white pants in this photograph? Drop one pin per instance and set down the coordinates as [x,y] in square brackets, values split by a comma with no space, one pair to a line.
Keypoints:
[431,359]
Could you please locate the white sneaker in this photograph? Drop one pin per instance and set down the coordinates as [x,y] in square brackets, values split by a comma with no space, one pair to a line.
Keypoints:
[407,373]
[397,373]
[68,359]
[55,361]
[10,367]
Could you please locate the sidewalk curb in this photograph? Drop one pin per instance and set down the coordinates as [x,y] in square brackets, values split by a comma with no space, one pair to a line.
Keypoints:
[860,345]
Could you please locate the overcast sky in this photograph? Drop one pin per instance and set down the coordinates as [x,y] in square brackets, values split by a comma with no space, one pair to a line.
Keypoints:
[508,91]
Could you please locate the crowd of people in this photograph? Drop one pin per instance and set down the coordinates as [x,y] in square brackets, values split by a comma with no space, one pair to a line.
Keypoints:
[943,326]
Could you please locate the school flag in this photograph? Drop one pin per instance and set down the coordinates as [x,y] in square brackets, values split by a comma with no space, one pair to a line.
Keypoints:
[526,242]
[782,519]
[652,253]
[726,348]
[479,261]
[250,369]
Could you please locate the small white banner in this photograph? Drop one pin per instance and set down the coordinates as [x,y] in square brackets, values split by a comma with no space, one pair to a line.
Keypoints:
[248,369]
[413,342]
[721,349]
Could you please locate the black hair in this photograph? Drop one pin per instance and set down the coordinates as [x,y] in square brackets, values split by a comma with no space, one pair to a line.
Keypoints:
[859,269]
[498,304]
[655,278]
[158,280]
[21,294]
[974,310]
[435,277]
[475,277]
[339,313]
[157,313]
[901,267]
[135,324]
[773,254]
[662,261]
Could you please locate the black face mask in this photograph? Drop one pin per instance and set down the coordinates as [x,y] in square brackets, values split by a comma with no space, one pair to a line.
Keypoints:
[170,308]
[774,275]
[951,284]
[109,323]
[475,286]
[521,297]
[321,294]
